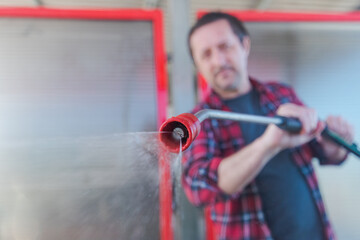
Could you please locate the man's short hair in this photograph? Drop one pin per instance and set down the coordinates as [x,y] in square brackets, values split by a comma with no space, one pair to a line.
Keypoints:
[236,25]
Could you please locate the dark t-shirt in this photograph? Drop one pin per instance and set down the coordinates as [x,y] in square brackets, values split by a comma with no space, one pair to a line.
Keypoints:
[289,209]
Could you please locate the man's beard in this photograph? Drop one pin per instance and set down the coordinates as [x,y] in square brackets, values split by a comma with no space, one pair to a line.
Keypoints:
[233,87]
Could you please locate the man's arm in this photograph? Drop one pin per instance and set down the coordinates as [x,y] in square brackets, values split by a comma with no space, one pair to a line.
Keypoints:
[239,169]
[208,178]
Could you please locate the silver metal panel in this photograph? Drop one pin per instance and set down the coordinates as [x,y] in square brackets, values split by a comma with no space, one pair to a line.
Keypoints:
[75,78]
[63,85]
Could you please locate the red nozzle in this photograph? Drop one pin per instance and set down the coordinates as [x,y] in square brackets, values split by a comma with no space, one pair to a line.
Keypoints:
[185,126]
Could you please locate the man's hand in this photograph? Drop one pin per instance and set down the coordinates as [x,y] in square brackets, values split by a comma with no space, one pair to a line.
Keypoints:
[311,127]
[334,152]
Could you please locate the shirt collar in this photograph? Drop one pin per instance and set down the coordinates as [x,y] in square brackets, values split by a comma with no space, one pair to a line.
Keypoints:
[216,102]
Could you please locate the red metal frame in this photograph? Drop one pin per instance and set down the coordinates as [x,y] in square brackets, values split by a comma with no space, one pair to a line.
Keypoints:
[267,16]
[155,16]
[256,16]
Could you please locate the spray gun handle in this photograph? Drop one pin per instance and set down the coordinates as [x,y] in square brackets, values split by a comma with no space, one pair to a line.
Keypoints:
[292,125]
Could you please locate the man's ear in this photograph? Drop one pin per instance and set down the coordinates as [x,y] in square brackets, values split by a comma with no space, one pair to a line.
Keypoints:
[246,43]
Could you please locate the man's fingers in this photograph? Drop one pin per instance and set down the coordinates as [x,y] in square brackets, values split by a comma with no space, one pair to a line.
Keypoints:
[338,125]
[307,116]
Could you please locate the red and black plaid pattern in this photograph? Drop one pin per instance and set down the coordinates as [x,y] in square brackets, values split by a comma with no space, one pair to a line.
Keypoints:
[241,216]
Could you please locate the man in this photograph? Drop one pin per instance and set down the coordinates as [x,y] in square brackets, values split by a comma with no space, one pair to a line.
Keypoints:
[258,180]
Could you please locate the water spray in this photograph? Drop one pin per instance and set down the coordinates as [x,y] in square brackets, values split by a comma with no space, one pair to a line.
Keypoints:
[186,127]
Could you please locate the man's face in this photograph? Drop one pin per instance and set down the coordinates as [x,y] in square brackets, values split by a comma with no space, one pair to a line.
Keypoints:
[221,58]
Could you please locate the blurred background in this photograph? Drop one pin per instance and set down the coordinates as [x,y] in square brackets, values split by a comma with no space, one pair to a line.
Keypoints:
[83,78]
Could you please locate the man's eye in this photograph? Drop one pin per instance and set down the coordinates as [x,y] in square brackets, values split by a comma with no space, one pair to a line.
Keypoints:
[225,46]
[206,55]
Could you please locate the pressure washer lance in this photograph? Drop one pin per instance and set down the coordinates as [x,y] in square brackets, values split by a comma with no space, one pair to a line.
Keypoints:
[186,127]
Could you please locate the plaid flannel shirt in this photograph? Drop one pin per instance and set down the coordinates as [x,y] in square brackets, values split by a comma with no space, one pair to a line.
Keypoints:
[241,216]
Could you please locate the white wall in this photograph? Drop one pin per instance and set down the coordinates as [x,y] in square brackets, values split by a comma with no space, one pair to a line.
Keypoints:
[327,77]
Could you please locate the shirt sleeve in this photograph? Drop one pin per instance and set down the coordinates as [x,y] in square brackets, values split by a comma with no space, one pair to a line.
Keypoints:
[200,169]
[319,154]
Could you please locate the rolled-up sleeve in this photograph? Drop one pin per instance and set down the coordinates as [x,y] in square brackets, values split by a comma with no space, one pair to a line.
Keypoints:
[319,154]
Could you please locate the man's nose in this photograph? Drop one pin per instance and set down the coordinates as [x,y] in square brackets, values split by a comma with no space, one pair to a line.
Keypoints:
[218,58]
